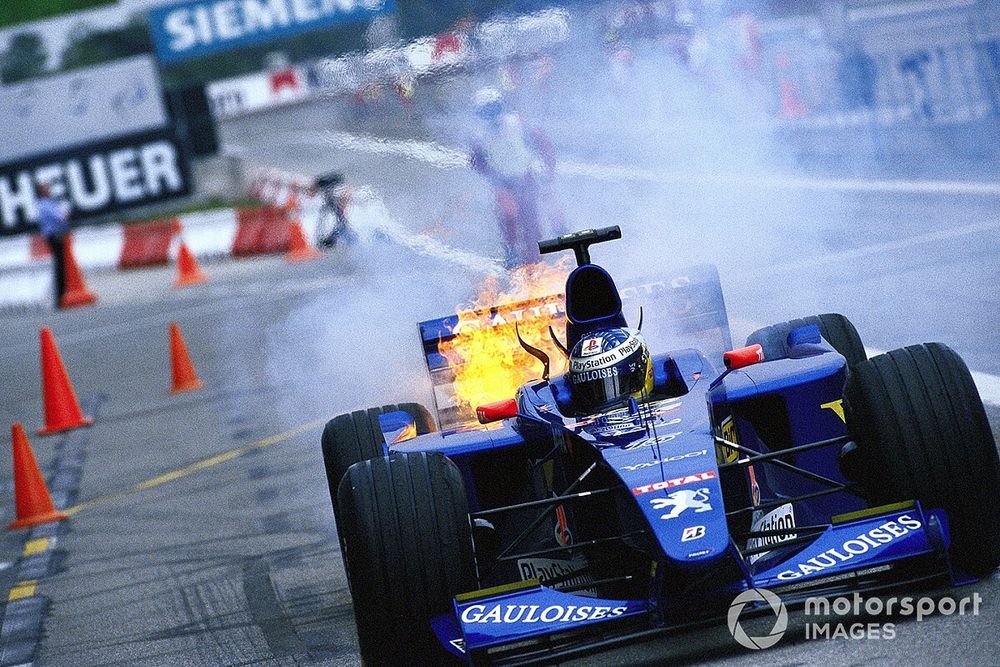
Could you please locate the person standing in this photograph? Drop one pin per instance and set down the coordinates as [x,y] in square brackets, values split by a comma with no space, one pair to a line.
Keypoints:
[517,160]
[54,224]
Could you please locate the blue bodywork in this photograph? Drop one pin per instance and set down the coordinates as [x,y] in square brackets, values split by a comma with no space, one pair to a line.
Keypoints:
[663,510]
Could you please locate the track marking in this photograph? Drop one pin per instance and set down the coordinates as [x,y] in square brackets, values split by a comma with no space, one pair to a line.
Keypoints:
[23,589]
[204,464]
[449,157]
[37,546]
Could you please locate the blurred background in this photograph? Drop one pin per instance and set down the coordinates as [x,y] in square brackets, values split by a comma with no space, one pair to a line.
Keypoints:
[748,134]
[831,156]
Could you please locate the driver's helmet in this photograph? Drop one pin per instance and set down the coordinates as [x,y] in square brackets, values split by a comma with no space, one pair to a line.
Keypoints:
[609,366]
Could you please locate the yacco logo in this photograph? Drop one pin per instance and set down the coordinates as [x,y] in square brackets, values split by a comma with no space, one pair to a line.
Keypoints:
[862,544]
[677,481]
[757,596]
[669,459]
[533,613]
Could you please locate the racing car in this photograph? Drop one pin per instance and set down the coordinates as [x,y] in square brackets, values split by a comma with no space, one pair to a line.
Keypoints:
[638,493]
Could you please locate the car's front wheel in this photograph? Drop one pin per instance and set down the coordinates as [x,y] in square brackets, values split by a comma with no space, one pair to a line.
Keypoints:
[922,433]
[357,436]
[408,552]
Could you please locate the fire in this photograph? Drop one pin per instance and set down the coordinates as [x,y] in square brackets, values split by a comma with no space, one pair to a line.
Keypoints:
[488,362]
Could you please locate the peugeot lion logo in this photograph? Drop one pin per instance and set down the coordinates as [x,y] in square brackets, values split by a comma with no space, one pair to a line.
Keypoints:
[757,595]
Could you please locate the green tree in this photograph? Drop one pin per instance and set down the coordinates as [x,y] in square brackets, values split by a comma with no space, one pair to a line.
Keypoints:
[88,47]
[24,58]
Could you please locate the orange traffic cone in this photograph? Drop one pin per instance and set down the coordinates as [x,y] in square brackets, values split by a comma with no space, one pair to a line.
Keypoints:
[31,496]
[299,249]
[62,410]
[76,293]
[188,271]
[183,375]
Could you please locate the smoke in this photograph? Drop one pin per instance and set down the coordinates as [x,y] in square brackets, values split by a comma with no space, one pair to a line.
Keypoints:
[664,143]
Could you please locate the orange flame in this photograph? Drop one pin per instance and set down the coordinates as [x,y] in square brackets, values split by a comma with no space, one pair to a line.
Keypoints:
[488,362]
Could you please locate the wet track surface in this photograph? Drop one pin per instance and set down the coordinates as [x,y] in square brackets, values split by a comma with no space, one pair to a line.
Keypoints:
[236,561]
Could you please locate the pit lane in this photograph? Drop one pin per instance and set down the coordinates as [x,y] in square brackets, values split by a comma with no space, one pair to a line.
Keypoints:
[236,562]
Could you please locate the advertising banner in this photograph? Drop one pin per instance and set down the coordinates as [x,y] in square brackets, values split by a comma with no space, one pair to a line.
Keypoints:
[94,179]
[202,27]
[80,107]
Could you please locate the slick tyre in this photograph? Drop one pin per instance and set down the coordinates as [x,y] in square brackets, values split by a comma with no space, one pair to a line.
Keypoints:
[356,436]
[834,328]
[408,552]
[922,433]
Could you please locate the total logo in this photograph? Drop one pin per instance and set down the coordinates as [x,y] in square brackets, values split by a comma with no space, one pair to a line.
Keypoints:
[533,613]
[862,544]
[677,481]
[669,459]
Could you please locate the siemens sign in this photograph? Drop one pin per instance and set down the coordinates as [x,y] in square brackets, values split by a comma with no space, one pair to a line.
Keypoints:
[200,27]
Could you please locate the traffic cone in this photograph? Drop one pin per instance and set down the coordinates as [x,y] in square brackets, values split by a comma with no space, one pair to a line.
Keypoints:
[76,293]
[62,410]
[31,497]
[299,249]
[188,271]
[183,375]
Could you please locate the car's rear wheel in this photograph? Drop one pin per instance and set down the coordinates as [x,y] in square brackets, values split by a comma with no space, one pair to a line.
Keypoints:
[833,327]
[356,436]
[408,552]
[922,433]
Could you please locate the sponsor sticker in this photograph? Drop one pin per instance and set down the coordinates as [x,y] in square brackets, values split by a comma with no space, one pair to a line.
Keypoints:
[780,518]
[699,553]
[669,459]
[727,431]
[693,533]
[551,568]
[532,613]
[875,538]
[591,347]
[677,481]
[682,500]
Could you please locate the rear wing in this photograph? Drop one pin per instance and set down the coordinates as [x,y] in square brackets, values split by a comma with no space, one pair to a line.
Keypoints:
[679,309]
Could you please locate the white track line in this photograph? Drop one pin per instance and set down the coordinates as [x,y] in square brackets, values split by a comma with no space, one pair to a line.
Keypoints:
[449,157]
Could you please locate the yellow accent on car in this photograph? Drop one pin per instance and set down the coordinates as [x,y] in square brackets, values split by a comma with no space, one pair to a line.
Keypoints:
[498,590]
[728,432]
[837,406]
[873,511]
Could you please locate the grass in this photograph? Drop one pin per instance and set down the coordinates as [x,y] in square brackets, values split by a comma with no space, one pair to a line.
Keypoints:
[13,12]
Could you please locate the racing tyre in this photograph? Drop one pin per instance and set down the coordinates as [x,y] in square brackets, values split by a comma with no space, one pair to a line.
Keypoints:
[921,432]
[833,327]
[408,552]
[356,436]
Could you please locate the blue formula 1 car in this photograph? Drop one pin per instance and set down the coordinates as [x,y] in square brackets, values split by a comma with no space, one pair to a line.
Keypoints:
[639,493]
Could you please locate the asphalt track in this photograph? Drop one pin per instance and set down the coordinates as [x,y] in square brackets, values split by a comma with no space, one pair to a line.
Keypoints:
[201,531]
